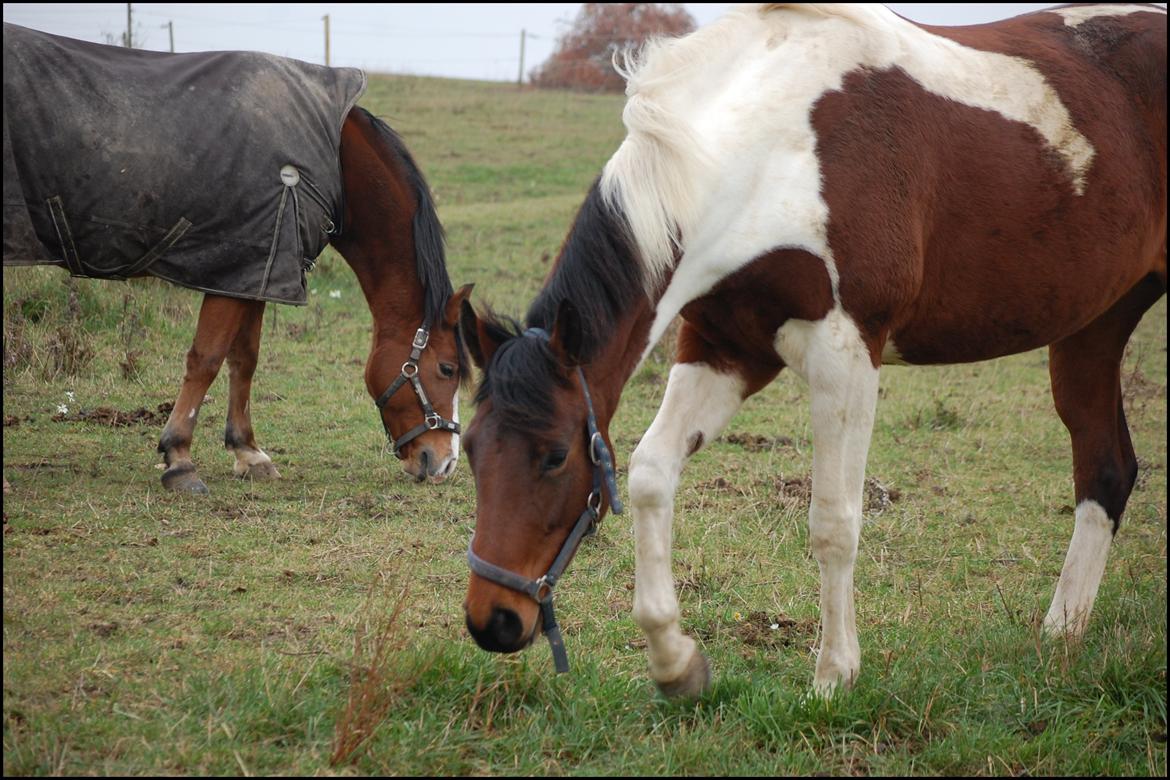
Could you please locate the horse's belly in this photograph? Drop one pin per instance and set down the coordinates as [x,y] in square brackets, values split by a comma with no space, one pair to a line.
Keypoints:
[981,322]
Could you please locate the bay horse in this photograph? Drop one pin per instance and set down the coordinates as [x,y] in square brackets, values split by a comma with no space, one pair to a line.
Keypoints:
[393,241]
[228,173]
[829,188]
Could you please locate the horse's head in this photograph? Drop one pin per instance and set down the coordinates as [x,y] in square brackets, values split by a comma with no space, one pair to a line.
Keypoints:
[414,377]
[529,447]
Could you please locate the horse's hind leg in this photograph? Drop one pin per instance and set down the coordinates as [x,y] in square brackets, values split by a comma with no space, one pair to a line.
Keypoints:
[219,321]
[251,461]
[1086,385]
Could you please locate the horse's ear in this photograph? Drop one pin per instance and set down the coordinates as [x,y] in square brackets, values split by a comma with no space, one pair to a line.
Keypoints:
[454,308]
[479,341]
[568,336]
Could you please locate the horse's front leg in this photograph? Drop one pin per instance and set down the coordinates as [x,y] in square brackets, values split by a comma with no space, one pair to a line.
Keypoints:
[843,386]
[219,322]
[251,461]
[698,404]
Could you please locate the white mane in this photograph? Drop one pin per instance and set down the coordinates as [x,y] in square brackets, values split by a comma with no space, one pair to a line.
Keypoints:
[654,177]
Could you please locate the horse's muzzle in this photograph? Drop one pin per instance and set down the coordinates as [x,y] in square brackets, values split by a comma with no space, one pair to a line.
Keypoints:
[504,632]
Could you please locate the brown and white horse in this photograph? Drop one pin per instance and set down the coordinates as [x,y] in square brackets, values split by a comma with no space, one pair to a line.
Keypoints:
[392,240]
[829,188]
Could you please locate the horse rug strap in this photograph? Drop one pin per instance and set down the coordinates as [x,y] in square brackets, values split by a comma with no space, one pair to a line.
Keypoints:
[218,171]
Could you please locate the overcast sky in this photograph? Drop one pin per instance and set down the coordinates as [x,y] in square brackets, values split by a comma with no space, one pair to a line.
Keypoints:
[473,40]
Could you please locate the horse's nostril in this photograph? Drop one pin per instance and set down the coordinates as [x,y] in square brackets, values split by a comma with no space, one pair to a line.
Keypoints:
[507,627]
[502,634]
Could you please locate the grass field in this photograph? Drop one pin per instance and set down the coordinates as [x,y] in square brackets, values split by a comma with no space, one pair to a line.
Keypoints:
[150,633]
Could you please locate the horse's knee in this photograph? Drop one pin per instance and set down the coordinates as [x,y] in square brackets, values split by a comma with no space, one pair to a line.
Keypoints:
[833,528]
[651,483]
[201,363]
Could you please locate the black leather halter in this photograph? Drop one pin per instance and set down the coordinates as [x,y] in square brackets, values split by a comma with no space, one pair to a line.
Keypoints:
[541,590]
[432,420]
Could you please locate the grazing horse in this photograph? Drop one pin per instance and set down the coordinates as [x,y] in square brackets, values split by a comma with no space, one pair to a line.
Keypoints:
[829,188]
[255,164]
[392,240]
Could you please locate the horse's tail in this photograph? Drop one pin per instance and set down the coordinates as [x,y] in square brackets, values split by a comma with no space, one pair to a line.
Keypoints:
[429,240]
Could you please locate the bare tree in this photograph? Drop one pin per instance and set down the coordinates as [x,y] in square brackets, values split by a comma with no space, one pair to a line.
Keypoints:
[583,58]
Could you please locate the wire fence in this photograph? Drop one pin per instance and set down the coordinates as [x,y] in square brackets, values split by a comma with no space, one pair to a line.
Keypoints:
[453,51]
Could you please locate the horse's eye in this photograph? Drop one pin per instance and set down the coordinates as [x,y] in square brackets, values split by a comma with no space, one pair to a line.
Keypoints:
[553,460]
[447,370]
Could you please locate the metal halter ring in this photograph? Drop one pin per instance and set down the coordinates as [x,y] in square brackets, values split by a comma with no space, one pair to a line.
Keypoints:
[594,500]
[596,444]
[413,369]
[543,590]
[433,421]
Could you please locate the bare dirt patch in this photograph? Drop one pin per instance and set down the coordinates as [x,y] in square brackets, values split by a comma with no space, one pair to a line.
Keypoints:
[759,629]
[753,442]
[104,415]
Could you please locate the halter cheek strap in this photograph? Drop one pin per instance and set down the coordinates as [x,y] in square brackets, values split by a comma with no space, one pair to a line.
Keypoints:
[432,420]
[541,590]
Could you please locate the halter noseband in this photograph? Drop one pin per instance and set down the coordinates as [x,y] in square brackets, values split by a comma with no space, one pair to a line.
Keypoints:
[541,590]
[432,420]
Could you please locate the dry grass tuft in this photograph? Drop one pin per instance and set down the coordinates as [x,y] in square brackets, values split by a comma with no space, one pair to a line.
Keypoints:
[377,676]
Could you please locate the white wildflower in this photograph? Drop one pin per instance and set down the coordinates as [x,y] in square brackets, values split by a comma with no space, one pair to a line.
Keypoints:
[335,293]
[69,395]
[62,409]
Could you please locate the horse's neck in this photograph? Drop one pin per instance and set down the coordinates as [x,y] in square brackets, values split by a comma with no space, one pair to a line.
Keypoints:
[391,286]
[378,244]
[618,358]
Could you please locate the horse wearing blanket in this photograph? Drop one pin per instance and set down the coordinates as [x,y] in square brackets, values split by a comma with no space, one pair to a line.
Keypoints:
[829,188]
[228,173]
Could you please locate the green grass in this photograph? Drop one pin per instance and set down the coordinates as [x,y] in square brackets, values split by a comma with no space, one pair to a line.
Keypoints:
[150,633]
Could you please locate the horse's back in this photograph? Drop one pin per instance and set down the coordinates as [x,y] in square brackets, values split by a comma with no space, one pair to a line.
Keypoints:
[1021,245]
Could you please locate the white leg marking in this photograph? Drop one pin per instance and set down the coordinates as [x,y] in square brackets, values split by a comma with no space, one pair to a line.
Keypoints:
[698,401]
[843,387]
[246,458]
[1083,568]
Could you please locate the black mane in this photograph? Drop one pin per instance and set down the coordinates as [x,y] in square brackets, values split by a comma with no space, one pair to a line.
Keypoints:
[599,271]
[430,252]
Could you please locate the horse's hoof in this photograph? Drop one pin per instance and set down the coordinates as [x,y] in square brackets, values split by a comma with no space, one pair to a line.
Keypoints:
[695,679]
[261,472]
[183,479]
[827,683]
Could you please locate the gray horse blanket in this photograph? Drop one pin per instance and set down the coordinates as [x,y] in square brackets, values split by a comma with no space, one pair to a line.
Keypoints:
[218,171]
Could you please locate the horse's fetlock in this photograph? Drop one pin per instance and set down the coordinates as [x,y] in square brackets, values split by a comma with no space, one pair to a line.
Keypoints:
[170,441]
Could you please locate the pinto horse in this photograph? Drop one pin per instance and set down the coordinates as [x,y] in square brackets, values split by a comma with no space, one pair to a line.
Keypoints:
[828,188]
[228,172]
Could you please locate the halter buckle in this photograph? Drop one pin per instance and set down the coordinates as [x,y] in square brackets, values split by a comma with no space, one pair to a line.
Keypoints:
[421,336]
[433,421]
